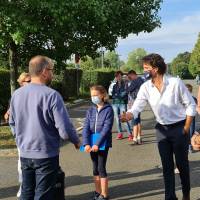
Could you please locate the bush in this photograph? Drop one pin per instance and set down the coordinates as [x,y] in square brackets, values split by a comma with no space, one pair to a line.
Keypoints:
[4,90]
[57,83]
[66,82]
[71,82]
[100,77]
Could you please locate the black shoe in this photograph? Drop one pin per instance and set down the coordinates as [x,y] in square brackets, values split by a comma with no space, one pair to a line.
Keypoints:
[101,197]
[187,197]
[96,195]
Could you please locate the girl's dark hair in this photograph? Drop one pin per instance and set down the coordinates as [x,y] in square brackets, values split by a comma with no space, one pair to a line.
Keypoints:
[101,90]
[156,61]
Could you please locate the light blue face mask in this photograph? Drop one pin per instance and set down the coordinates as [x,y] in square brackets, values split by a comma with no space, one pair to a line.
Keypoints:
[96,100]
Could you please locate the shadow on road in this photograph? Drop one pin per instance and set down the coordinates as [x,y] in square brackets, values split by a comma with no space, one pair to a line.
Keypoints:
[135,190]
[8,192]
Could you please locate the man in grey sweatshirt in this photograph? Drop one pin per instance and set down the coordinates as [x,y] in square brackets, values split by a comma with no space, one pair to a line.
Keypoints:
[38,119]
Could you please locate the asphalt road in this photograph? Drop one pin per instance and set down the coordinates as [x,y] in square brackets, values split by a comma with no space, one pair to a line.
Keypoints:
[133,171]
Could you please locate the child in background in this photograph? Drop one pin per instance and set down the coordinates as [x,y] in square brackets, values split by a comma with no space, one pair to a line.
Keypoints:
[192,127]
[99,119]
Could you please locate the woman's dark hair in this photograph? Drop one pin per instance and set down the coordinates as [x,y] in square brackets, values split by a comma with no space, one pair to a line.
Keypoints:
[156,61]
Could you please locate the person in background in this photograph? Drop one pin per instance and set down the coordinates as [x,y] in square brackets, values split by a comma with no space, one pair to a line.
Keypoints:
[99,119]
[197,79]
[174,109]
[38,119]
[23,80]
[192,127]
[120,98]
[132,90]
[198,100]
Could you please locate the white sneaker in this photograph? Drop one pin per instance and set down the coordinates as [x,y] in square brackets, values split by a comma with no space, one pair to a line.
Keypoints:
[176,171]
[19,192]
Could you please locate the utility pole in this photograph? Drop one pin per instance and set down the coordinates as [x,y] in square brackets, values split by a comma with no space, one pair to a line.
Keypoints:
[102,57]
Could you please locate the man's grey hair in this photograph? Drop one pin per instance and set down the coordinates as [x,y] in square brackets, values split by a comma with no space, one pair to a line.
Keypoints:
[38,63]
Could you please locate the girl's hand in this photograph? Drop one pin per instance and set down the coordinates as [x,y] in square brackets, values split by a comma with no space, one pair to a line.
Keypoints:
[95,148]
[88,148]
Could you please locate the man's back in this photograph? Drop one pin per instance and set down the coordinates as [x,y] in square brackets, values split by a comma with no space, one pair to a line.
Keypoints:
[39,119]
[134,87]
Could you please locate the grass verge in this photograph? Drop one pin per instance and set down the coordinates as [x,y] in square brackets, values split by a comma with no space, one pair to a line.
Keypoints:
[6,138]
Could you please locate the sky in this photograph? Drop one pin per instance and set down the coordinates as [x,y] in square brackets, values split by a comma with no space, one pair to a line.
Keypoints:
[180,26]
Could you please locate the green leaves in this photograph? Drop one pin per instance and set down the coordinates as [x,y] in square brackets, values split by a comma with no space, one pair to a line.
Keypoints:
[134,60]
[179,65]
[17,37]
[60,28]
[194,65]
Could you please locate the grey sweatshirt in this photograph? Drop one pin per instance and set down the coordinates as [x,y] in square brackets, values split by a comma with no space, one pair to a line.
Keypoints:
[38,119]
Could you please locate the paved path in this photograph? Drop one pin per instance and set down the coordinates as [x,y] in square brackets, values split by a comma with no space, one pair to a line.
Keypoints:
[132,169]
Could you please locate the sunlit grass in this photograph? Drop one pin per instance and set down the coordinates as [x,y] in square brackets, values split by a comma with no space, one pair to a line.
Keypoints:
[6,138]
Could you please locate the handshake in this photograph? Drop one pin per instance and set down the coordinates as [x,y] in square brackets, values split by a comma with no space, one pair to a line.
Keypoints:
[195,141]
[126,116]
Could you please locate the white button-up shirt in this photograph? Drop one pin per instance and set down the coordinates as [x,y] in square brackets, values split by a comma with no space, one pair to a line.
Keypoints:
[171,105]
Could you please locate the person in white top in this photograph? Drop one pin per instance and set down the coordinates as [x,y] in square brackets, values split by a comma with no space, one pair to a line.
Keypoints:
[174,108]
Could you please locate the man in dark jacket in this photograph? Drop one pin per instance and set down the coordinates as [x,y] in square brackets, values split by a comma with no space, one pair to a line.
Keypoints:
[132,90]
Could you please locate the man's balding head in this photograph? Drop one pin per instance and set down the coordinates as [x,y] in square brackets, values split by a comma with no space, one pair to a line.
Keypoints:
[38,63]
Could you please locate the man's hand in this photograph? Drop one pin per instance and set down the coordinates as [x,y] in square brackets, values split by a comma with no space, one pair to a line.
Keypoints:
[95,148]
[6,116]
[186,130]
[125,117]
[87,148]
[77,146]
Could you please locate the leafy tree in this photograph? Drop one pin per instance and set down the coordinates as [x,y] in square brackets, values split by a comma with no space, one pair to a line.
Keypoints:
[194,64]
[60,28]
[179,66]
[112,59]
[134,60]
[87,63]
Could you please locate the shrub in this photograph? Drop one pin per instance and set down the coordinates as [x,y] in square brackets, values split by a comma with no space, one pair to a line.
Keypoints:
[99,77]
[4,90]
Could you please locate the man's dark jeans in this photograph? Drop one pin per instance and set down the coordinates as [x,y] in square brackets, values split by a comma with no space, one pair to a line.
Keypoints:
[39,178]
[173,140]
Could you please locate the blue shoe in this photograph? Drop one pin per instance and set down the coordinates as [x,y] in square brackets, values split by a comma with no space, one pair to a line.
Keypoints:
[101,197]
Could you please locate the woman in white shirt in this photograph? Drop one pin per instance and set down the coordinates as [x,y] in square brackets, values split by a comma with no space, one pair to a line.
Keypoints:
[174,108]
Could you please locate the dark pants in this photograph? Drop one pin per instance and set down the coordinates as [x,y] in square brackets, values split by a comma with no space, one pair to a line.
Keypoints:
[99,163]
[192,130]
[39,178]
[173,140]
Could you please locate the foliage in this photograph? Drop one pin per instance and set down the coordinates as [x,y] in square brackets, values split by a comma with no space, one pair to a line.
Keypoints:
[4,90]
[92,77]
[60,28]
[87,63]
[194,64]
[179,66]
[112,59]
[134,60]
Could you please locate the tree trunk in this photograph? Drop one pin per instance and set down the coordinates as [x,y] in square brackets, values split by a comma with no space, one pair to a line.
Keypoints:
[13,66]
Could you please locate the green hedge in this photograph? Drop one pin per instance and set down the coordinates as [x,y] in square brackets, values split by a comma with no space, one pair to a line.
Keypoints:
[66,83]
[99,77]
[73,81]
[4,90]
